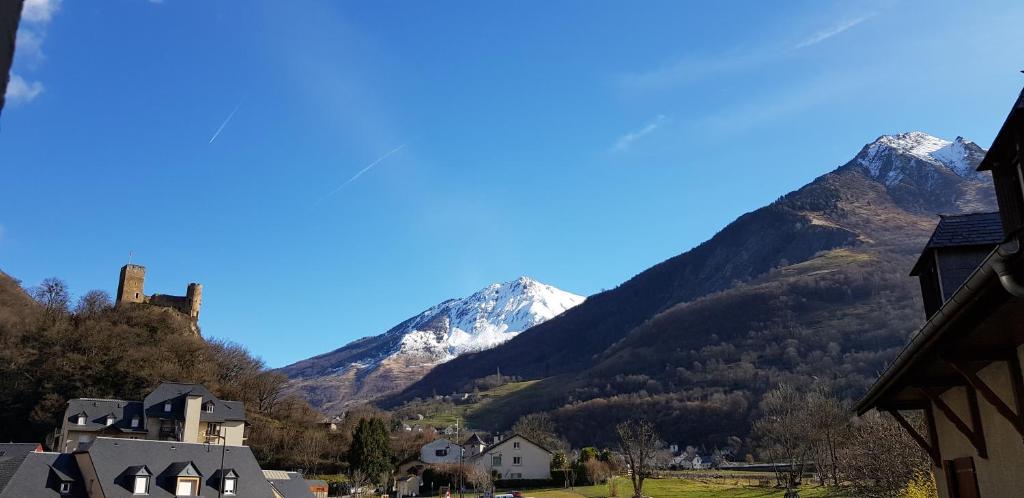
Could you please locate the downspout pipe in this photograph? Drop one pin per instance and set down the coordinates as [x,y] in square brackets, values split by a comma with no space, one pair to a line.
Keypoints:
[1000,265]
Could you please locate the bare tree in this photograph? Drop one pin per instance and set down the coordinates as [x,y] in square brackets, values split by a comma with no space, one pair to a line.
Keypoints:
[53,295]
[482,479]
[787,429]
[639,444]
[267,390]
[93,303]
[540,428]
[831,428]
[880,458]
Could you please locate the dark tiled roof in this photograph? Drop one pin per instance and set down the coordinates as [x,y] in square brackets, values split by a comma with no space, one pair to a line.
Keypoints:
[294,487]
[962,230]
[11,456]
[96,411]
[176,393]
[474,440]
[967,230]
[113,457]
[40,475]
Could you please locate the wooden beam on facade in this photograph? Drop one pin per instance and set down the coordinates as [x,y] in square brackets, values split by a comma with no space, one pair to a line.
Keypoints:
[978,429]
[990,396]
[930,445]
[1017,383]
[972,433]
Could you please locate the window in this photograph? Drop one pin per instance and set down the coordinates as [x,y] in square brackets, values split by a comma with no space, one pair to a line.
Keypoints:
[495,460]
[167,407]
[65,488]
[135,422]
[136,295]
[441,453]
[213,432]
[110,420]
[517,460]
[81,419]
[209,407]
[515,444]
[229,485]
[141,486]
[187,486]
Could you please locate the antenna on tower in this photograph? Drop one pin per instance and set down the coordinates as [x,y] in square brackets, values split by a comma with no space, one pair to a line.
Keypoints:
[130,252]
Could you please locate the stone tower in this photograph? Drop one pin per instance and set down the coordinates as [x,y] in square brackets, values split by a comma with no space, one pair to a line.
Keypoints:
[130,285]
[130,290]
[194,296]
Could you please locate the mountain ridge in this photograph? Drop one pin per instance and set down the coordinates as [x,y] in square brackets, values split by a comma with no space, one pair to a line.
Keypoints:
[371,366]
[874,211]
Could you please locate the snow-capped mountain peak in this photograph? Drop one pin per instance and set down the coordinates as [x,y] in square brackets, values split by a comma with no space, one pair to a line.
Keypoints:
[483,320]
[890,158]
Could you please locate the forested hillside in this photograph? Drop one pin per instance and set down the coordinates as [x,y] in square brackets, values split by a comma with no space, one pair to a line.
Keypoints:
[52,351]
[813,287]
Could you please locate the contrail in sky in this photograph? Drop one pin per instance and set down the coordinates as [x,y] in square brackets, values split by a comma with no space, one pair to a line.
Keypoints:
[226,121]
[360,173]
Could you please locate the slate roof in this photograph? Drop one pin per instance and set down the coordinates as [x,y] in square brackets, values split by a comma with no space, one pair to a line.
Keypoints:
[966,230]
[39,476]
[176,393]
[96,411]
[963,230]
[11,456]
[474,440]
[112,458]
[292,486]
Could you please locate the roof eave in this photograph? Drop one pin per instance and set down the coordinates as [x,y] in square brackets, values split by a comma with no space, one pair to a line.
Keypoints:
[929,333]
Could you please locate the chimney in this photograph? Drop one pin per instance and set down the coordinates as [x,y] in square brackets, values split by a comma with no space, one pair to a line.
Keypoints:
[193,409]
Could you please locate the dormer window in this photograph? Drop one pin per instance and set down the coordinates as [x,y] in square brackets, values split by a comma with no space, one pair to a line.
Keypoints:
[186,478]
[65,488]
[209,407]
[230,482]
[81,419]
[141,485]
[167,407]
[110,420]
[187,486]
[135,422]
[140,479]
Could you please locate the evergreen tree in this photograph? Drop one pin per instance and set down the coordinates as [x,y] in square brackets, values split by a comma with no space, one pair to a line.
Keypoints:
[370,451]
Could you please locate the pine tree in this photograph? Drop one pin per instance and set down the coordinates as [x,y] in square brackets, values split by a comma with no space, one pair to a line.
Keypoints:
[370,452]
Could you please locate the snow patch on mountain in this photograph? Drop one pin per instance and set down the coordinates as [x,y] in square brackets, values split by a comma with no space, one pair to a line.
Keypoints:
[890,158]
[485,319]
[481,321]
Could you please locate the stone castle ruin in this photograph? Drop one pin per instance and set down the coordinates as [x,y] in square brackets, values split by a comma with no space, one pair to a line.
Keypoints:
[130,290]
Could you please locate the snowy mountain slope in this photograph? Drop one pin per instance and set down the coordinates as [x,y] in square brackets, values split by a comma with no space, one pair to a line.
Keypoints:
[378,365]
[890,158]
[881,205]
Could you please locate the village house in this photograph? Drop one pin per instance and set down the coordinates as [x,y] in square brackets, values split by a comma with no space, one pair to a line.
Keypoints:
[440,452]
[172,412]
[26,471]
[117,467]
[514,457]
[962,370]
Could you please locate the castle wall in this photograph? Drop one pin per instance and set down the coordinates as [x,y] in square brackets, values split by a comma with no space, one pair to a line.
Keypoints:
[130,289]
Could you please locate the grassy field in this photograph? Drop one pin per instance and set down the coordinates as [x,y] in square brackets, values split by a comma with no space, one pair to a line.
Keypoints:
[462,412]
[684,488]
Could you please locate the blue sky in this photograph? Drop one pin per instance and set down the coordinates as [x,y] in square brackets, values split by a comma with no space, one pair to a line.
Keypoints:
[577,142]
